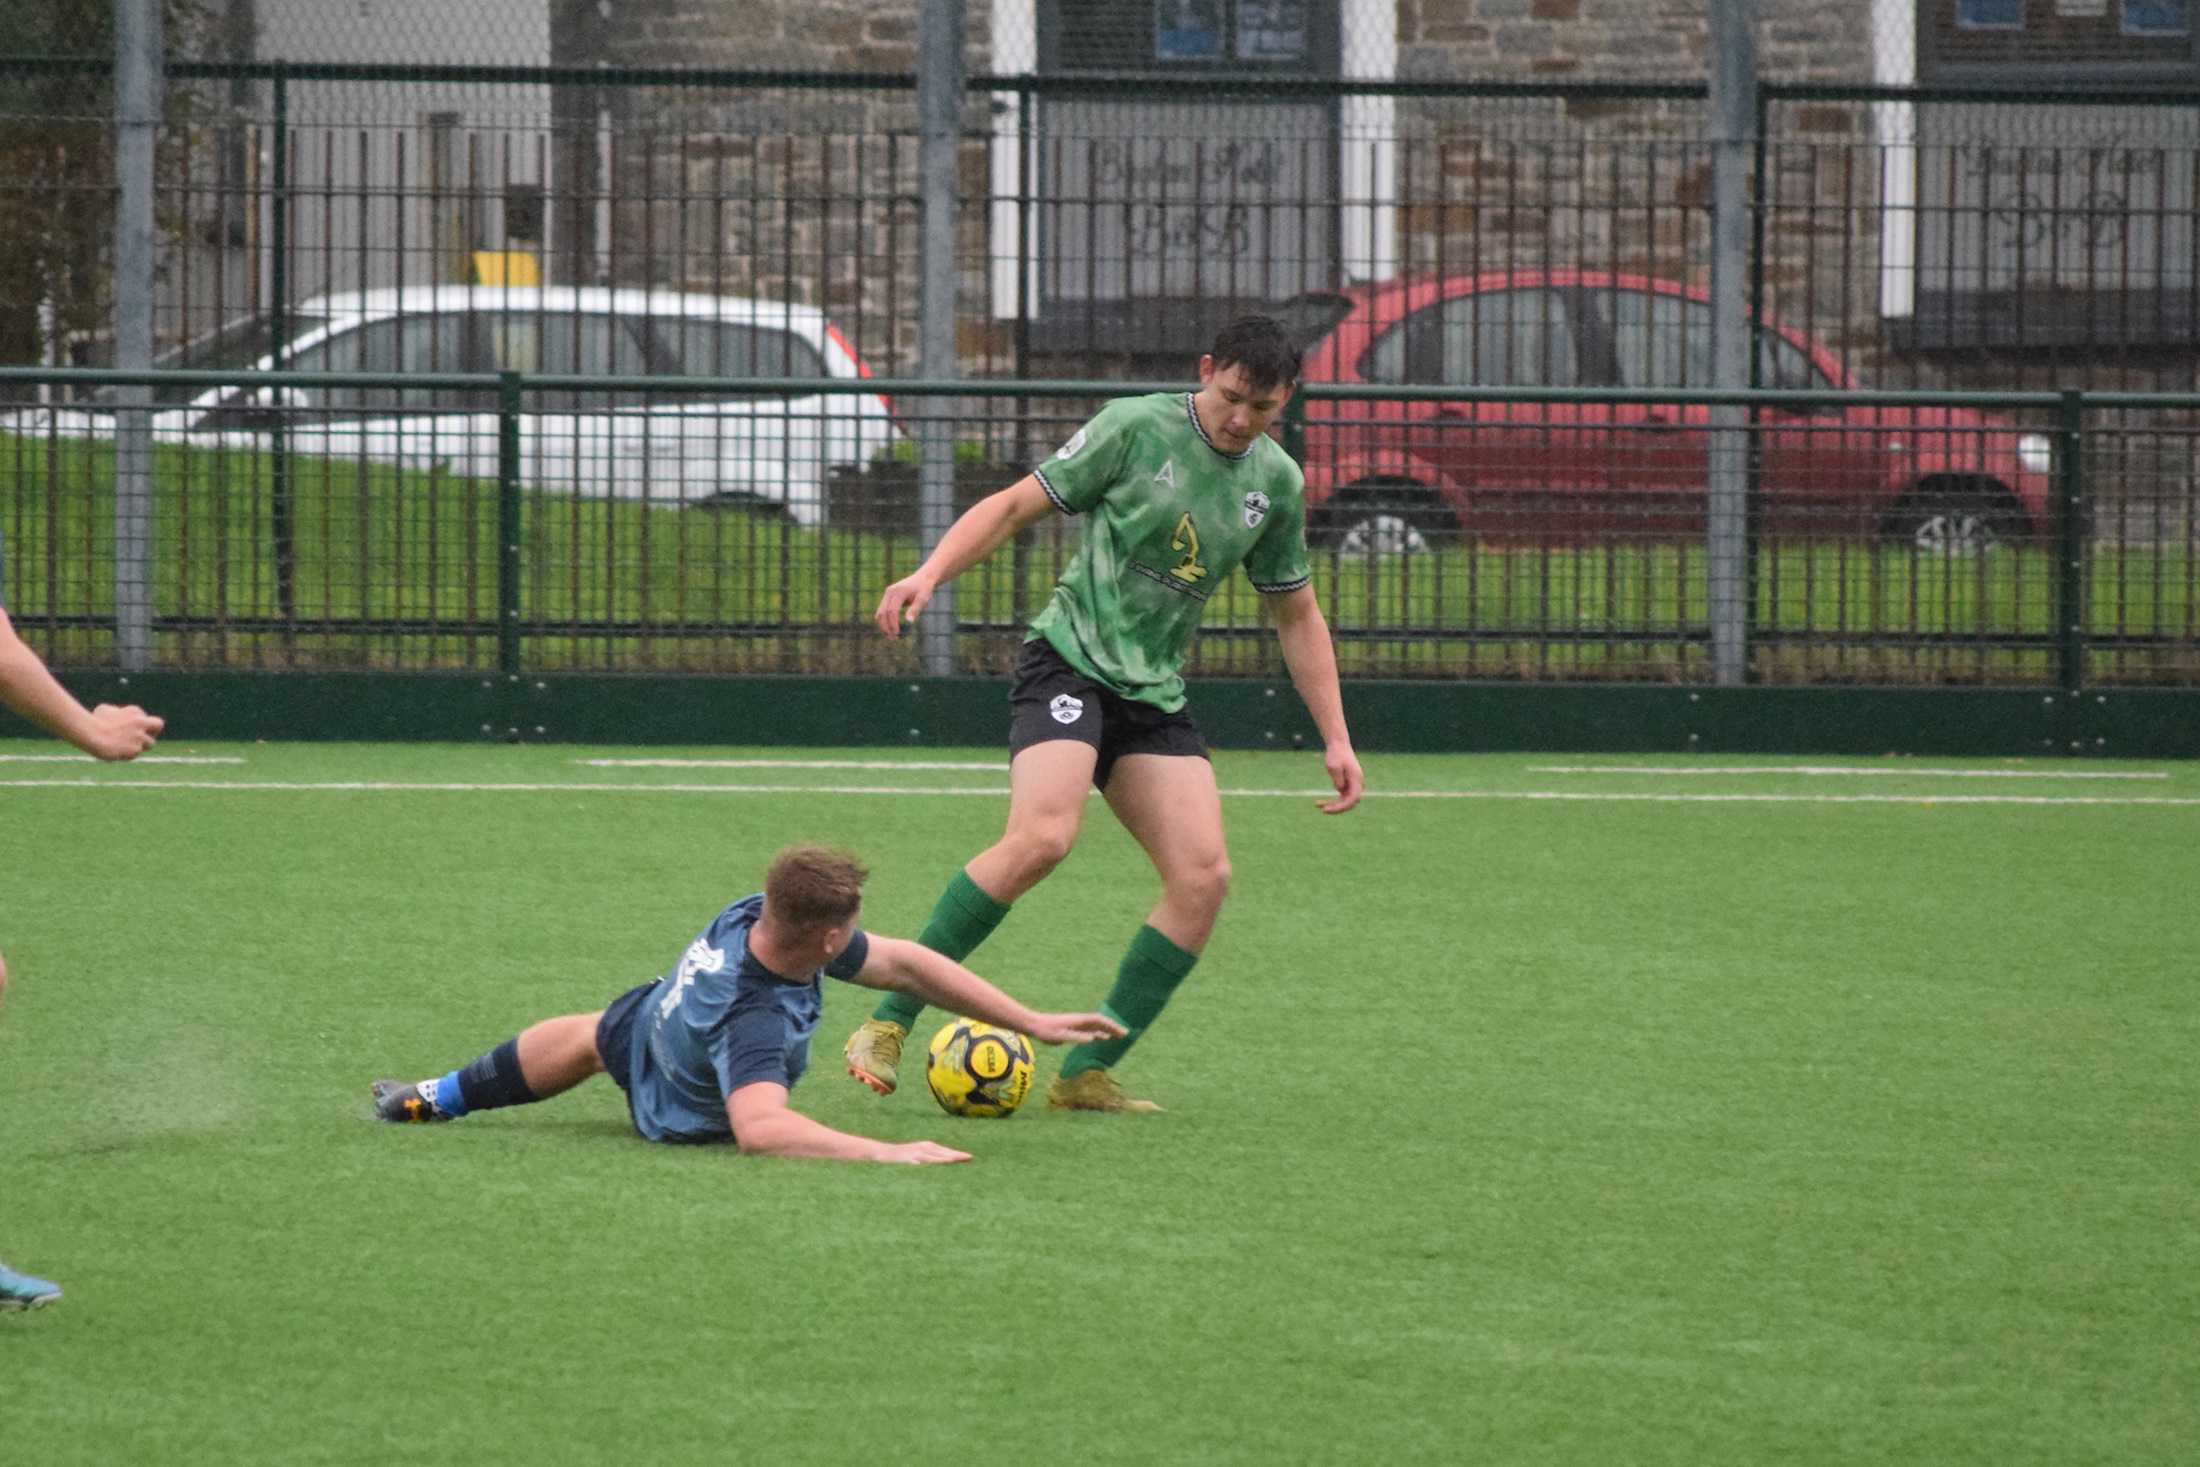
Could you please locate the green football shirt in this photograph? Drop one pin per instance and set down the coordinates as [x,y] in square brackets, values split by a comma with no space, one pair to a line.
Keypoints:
[1169,517]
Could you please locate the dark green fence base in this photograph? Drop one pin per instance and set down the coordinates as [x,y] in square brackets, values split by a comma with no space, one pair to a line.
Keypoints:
[2012,723]
[1237,714]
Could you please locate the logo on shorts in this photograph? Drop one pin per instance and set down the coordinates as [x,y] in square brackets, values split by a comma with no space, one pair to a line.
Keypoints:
[1069,449]
[1066,709]
[1256,509]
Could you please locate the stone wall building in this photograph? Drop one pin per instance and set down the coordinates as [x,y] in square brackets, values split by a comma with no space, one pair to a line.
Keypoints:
[1111,230]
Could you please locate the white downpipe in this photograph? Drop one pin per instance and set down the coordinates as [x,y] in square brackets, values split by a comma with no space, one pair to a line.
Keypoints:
[1894,64]
[1368,143]
[1015,53]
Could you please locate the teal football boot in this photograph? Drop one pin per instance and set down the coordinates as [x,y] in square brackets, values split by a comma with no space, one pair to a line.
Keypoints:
[21,1291]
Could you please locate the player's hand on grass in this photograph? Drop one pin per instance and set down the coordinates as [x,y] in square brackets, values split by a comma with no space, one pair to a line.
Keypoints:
[119,732]
[1074,1028]
[902,602]
[1344,773]
[919,1153]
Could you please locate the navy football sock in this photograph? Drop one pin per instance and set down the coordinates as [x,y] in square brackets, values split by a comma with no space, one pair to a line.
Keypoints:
[490,1082]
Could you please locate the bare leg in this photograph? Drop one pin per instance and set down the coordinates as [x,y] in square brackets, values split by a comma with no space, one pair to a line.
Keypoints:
[1046,801]
[1171,806]
[557,1054]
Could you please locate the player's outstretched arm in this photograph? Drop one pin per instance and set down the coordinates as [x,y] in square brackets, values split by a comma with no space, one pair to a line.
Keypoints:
[764,1126]
[1312,658]
[983,529]
[896,962]
[105,732]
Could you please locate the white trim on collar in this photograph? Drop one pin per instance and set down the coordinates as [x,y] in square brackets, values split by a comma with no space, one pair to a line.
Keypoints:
[1201,429]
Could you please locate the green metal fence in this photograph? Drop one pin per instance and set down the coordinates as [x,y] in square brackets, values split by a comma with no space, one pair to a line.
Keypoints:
[1931,237]
[540,522]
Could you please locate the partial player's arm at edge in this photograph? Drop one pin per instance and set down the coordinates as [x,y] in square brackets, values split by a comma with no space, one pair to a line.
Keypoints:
[105,732]
[983,529]
[896,962]
[1312,658]
[763,1125]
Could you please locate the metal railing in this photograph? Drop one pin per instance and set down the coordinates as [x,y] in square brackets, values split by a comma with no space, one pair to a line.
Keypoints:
[538,521]
[1927,236]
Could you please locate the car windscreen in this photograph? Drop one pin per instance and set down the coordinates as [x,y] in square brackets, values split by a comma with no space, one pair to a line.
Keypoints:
[1781,363]
[594,344]
[241,345]
[1491,338]
[1312,316]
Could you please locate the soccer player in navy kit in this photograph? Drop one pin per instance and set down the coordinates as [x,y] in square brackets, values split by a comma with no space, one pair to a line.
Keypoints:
[105,732]
[709,1051]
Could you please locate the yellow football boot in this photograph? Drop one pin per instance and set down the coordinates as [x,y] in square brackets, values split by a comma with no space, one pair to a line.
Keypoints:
[1092,1090]
[874,1054]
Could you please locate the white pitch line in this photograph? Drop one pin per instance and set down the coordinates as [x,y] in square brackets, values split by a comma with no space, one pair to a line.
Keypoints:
[88,759]
[576,787]
[999,768]
[1838,769]
[1611,797]
[1576,796]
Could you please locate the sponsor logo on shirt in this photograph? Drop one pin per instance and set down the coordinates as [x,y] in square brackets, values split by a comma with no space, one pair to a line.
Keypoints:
[700,957]
[1066,709]
[1186,539]
[1170,579]
[1069,449]
[1256,509]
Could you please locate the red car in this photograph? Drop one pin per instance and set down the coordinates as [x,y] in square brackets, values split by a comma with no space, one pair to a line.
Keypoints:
[1387,476]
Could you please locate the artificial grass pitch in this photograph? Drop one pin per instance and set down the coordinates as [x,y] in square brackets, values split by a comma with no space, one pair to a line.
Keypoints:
[1581,1129]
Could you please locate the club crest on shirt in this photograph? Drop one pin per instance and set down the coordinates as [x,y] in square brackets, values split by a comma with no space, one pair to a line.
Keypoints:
[1066,709]
[1256,509]
[1069,449]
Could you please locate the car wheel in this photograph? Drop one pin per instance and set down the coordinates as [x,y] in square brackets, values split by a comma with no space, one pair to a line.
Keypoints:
[1381,517]
[1957,516]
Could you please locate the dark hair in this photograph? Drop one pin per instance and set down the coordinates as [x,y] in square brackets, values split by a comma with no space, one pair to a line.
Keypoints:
[1264,347]
[814,886]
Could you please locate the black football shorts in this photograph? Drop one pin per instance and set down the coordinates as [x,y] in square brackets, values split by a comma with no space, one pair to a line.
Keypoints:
[1052,700]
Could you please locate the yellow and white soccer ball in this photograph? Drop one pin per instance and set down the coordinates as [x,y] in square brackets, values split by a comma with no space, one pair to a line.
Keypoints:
[976,1069]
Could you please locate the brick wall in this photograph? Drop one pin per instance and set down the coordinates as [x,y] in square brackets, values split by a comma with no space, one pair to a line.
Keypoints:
[1636,40]
[778,35]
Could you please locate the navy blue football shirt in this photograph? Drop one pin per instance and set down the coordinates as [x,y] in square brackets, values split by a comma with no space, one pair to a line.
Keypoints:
[721,1020]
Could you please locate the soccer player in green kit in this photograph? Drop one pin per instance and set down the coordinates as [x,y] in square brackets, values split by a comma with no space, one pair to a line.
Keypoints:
[1179,490]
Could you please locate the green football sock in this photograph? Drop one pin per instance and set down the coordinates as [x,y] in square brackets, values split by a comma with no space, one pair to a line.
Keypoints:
[963,917]
[1151,970]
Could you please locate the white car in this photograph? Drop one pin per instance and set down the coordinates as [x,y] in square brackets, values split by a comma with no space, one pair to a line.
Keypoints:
[667,447]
